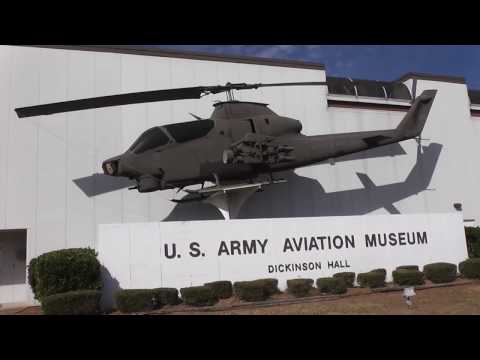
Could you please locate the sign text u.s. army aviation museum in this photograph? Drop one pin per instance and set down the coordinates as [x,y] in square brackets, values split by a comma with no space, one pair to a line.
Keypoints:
[180,254]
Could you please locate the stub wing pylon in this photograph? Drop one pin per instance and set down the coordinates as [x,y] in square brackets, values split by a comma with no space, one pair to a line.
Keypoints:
[205,193]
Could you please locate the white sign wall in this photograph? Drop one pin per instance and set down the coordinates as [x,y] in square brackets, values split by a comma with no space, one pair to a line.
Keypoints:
[181,254]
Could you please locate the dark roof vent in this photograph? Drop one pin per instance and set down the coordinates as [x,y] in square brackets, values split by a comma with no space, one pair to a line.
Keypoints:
[396,90]
[340,86]
[368,88]
[474,96]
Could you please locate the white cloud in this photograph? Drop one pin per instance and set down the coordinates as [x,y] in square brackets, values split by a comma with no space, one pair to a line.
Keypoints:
[268,51]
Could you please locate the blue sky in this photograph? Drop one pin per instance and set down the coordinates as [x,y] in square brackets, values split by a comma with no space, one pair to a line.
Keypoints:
[375,62]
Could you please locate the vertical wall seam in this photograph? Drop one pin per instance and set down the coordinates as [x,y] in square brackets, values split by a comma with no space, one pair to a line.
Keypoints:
[66,149]
[37,156]
[171,103]
[8,143]
[159,232]
[119,145]
[7,152]
[147,122]
[130,254]
[95,154]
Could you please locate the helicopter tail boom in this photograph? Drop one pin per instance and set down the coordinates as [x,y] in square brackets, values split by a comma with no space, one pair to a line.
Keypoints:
[313,149]
[412,124]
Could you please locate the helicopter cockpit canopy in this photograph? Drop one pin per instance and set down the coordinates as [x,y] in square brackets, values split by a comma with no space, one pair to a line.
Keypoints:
[180,133]
[183,132]
[150,139]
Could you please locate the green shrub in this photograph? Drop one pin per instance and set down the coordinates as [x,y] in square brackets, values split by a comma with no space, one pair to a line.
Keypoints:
[472,235]
[331,285]
[251,290]
[406,277]
[32,275]
[440,272]
[299,287]
[142,300]
[167,296]
[408,267]
[133,301]
[475,249]
[198,296]
[348,278]
[221,289]
[371,279]
[381,271]
[270,285]
[83,302]
[470,268]
[63,271]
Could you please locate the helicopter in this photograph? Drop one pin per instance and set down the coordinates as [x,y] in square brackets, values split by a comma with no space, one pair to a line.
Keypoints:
[239,142]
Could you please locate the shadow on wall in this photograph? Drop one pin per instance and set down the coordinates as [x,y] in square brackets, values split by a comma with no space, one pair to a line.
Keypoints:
[110,287]
[305,197]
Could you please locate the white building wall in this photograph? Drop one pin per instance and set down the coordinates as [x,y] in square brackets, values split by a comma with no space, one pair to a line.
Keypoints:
[451,125]
[40,157]
[382,170]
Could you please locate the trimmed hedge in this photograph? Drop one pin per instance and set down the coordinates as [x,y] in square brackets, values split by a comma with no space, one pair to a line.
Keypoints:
[83,302]
[470,268]
[251,290]
[371,279]
[142,300]
[381,271]
[270,285]
[221,289]
[408,267]
[348,278]
[331,285]
[440,272]
[63,271]
[472,234]
[475,249]
[167,296]
[198,296]
[299,287]
[133,301]
[32,275]
[406,277]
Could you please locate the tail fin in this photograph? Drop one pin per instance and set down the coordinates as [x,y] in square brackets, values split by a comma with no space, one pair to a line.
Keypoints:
[414,121]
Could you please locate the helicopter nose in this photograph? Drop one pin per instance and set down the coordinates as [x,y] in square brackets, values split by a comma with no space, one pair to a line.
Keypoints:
[299,126]
[111,166]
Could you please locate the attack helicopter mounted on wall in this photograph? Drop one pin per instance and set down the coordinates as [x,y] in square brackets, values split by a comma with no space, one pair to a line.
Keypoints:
[238,143]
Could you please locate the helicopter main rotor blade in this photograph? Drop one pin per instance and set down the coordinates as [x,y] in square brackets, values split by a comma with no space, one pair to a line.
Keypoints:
[243,86]
[143,97]
[112,100]
[318,83]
